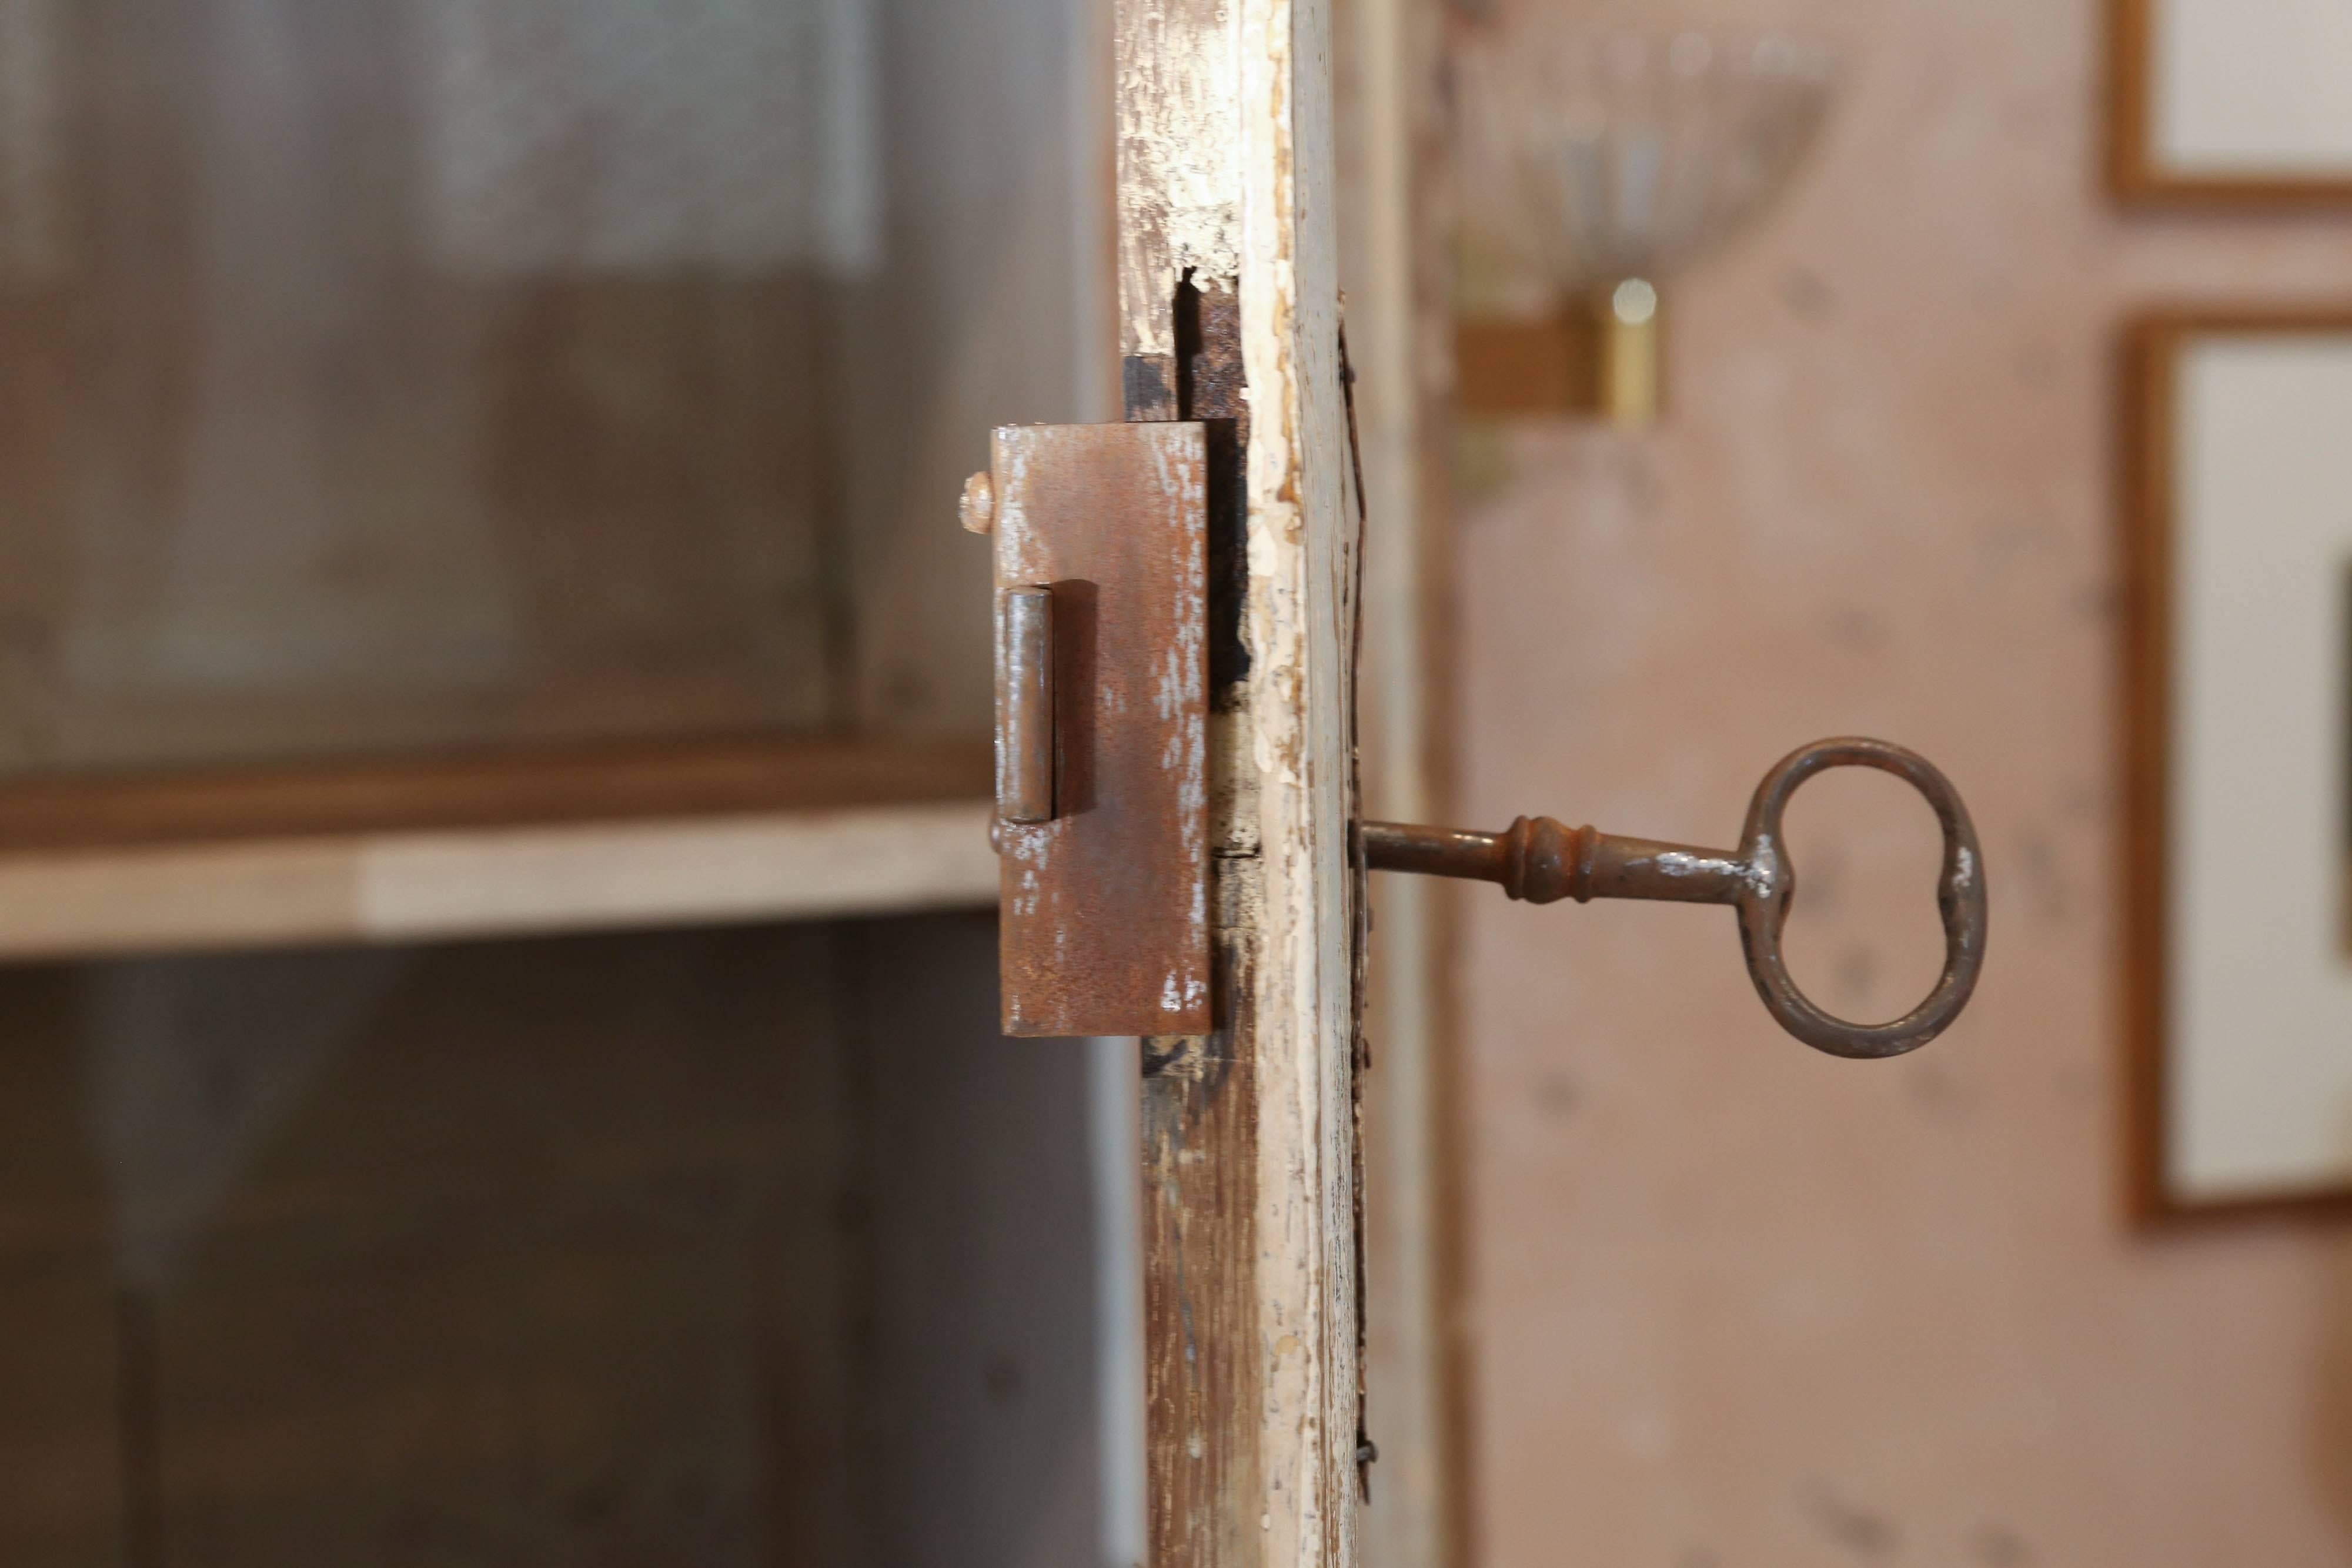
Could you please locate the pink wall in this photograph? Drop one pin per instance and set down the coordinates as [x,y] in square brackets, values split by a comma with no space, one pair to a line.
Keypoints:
[1743,1306]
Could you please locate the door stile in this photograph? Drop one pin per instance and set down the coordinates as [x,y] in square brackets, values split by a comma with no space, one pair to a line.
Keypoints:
[1229,300]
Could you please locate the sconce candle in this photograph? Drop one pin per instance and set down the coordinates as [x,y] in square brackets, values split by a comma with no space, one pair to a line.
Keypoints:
[1629,359]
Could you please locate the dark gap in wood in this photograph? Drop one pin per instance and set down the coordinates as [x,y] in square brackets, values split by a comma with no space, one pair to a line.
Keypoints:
[1148,386]
[1359,926]
[1210,388]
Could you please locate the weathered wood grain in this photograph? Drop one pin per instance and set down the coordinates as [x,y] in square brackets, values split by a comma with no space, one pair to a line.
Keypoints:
[1180,191]
[1229,305]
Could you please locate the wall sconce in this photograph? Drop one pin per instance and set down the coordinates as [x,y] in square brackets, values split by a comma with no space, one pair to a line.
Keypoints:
[1598,163]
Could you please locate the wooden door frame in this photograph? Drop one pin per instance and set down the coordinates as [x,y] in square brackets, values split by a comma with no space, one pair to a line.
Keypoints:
[1397,270]
[1229,313]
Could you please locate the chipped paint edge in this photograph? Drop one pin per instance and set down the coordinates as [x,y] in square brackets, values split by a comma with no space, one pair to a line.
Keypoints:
[1301,565]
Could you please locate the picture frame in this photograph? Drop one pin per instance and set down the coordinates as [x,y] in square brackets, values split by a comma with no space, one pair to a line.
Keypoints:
[2237,742]
[2217,103]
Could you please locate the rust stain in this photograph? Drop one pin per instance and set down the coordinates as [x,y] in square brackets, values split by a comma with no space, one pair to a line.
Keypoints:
[1105,906]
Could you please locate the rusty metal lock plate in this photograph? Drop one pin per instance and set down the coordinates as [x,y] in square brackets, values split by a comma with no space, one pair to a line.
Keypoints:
[1106,901]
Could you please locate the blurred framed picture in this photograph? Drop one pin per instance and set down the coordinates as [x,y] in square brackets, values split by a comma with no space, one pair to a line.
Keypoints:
[2231,101]
[2238,848]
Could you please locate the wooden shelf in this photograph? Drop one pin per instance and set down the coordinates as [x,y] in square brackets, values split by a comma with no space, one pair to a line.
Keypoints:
[523,787]
[537,841]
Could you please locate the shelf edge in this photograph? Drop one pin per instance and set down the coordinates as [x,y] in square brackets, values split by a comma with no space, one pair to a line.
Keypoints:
[451,884]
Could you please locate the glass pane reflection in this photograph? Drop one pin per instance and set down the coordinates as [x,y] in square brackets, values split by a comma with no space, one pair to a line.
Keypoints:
[403,373]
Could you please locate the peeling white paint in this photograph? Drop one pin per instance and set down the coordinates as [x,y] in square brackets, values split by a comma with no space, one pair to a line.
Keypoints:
[1179,162]
[1301,542]
[1226,170]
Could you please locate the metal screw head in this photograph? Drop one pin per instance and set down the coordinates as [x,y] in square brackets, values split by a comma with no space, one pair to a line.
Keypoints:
[979,505]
